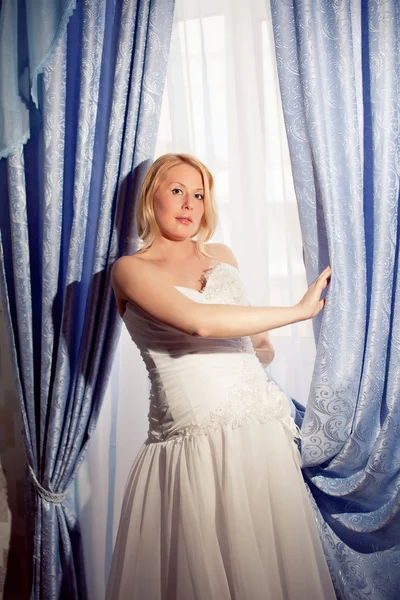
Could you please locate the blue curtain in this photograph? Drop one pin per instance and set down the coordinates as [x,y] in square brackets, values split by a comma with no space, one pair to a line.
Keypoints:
[339,70]
[29,32]
[66,215]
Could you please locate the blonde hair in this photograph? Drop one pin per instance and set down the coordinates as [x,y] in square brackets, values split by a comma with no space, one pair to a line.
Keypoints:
[146,225]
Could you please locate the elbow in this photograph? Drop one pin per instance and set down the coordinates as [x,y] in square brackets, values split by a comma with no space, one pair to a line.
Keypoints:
[265,355]
[200,332]
[270,354]
[198,324]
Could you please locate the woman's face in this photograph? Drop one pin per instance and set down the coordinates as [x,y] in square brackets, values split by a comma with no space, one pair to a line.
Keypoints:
[180,194]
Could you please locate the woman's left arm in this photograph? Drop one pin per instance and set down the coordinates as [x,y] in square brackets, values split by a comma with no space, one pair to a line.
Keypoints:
[263,348]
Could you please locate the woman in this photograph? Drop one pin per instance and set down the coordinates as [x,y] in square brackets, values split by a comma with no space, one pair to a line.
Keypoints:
[215,506]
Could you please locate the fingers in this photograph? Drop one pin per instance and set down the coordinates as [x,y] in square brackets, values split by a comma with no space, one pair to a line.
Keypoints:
[326,272]
[324,277]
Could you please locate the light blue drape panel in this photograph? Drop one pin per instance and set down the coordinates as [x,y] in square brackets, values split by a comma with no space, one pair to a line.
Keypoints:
[339,69]
[66,215]
[29,33]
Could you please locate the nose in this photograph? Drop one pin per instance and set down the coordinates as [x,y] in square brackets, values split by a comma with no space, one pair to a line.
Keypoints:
[188,201]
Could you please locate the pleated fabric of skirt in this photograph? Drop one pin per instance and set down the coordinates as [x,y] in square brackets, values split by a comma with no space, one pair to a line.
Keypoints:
[219,516]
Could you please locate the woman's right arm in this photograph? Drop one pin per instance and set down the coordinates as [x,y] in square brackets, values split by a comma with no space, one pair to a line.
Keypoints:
[139,282]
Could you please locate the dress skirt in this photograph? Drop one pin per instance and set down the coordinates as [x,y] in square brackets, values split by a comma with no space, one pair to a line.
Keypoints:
[218,516]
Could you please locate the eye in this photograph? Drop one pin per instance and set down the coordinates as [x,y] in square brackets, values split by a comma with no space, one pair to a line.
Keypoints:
[176,190]
[199,196]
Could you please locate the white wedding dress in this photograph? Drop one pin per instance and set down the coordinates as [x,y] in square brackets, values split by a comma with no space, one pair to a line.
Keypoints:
[215,507]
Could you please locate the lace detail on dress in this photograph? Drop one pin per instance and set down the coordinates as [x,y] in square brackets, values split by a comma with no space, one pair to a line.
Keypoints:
[225,284]
[249,395]
[252,397]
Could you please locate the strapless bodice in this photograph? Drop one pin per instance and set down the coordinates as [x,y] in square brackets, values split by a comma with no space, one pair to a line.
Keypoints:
[202,383]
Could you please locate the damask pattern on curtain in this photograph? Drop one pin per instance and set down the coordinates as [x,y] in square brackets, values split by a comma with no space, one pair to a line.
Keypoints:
[66,216]
[29,32]
[339,73]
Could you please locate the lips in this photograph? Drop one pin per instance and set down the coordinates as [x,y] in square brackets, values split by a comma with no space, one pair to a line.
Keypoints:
[184,219]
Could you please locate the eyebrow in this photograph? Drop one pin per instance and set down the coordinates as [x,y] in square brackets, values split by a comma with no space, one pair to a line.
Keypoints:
[183,185]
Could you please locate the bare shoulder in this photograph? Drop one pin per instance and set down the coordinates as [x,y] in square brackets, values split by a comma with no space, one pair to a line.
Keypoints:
[124,267]
[124,273]
[222,253]
[129,264]
[140,282]
[130,271]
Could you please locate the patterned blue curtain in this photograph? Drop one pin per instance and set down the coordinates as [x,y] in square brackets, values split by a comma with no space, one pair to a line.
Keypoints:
[66,215]
[339,70]
[29,32]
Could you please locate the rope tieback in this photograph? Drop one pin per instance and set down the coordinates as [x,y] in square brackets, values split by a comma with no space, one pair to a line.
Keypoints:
[46,494]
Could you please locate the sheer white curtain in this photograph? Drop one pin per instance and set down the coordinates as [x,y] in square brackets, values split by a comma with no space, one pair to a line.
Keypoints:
[221,104]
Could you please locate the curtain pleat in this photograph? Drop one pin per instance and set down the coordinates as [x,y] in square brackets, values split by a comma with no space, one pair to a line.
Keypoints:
[69,195]
[339,73]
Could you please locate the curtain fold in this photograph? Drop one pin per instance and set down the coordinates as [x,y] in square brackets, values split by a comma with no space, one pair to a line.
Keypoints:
[30,31]
[339,72]
[67,215]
